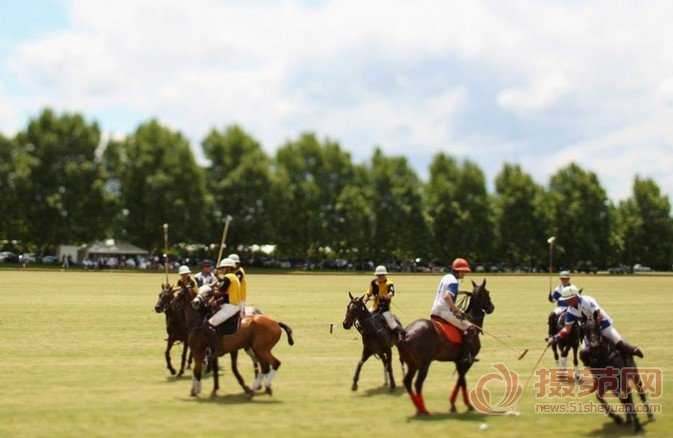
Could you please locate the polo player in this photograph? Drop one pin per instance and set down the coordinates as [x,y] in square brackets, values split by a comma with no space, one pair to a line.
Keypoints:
[382,290]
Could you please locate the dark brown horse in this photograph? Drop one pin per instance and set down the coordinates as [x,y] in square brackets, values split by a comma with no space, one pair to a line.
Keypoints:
[177,326]
[563,346]
[256,333]
[599,355]
[424,344]
[377,338]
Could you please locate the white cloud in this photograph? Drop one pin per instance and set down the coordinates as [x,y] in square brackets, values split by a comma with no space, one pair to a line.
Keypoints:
[375,72]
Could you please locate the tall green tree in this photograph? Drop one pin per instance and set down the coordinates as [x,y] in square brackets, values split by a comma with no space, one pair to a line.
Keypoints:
[400,229]
[310,176]
[522,221]
[645,226]
[239,179]
[66,200]
[580,216]
[355,218]
[160,182]
[15,166]
[459,209]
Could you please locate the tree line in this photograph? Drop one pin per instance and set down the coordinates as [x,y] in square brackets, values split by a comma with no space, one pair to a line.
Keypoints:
[60,183]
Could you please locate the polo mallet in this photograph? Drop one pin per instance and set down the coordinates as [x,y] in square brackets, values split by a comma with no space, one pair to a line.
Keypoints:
[166,252]
[521,356]
[550,242]
[525,386]
[224,238]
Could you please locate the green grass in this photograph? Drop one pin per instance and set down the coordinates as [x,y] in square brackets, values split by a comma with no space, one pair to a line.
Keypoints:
[81,354]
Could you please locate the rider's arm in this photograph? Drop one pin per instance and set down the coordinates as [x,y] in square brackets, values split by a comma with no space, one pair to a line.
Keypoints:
[453,289]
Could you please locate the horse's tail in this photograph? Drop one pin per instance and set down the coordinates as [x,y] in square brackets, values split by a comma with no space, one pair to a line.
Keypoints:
[288,332]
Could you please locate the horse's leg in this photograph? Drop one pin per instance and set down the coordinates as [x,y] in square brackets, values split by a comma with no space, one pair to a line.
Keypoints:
[576,368]
[608,409]
[183,358]
[167,354]
[462,369]
[255,362]
[237,374]
[366,353]
[422,374]
[216,376]
[554,350]
[389,369]
[643,395]
[408,379]
[189,359]
[631,416]
[199,355]
[454,395]
[270,365]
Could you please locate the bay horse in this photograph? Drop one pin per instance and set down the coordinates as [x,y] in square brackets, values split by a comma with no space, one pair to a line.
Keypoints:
[424,343]
[256,333]
[177,326]
[563,346]
[601,357]
[377,339]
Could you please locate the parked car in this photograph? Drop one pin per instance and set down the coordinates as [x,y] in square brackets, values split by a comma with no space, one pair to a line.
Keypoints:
[619,270]
[28,257]
[641,268]
[8,257]
[586,267]
[49,260]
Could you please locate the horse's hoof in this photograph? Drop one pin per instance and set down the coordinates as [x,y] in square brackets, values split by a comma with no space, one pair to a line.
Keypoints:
[470,408]
[617,419]
[213,394]
[392,388]
[172,371]
[180,373]
[650,416]
[422,414]
[354,387]
[453,410]
[193,393]
[250,395]
[268,390]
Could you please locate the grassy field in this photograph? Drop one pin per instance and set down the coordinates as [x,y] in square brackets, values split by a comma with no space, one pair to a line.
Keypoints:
[81,354]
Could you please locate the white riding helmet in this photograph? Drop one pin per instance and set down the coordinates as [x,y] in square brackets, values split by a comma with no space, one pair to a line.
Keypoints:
[380,270]
[569,292]
[235,258]
[227,263]
[564,274]
[184,269]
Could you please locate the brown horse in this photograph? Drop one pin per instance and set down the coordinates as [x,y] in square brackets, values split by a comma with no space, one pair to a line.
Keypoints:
[424,344]
[256,333]
[177,326]
[601,355]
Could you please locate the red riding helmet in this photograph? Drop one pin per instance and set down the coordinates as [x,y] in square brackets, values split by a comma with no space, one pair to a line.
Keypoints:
[460,265]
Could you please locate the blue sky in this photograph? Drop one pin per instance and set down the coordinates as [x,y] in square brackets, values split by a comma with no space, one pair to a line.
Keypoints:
[531,82]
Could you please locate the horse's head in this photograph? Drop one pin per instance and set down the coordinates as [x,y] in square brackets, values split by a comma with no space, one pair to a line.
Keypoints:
[355,310]
[164,299]
[200,301]
[481,298]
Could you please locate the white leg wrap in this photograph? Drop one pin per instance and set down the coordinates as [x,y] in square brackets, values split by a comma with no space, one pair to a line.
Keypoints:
[558,363]
[269,377]
[563,362]
[258,382]
[392,324]
[196,386]
[226,312]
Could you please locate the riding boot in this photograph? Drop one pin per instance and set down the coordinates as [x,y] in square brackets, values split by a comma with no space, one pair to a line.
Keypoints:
[626,348]
[468,346]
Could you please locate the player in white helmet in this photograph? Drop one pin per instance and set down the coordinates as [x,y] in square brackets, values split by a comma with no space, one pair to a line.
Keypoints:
[584,306]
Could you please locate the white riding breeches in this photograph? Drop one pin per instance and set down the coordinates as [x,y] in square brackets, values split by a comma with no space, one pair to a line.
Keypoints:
[390,320]
[448,316]
[225,312]
[611,333]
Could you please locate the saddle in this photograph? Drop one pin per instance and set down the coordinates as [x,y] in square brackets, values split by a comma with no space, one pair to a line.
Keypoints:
[450,332]
[229,327]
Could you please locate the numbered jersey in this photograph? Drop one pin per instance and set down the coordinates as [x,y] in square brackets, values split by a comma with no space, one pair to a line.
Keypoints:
[447,286]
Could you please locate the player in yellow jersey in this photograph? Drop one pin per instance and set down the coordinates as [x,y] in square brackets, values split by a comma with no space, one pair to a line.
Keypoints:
[382,290]
[227,293]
